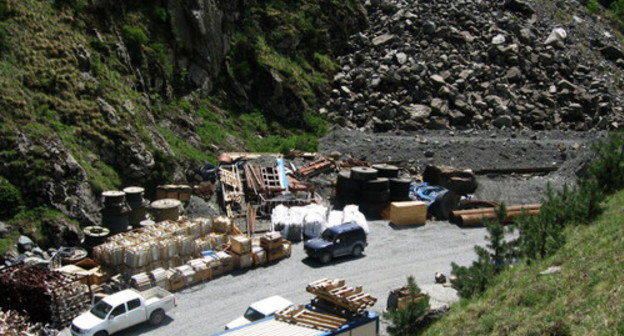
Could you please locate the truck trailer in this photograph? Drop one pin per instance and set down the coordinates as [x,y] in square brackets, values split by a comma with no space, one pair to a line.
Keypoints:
[367,325]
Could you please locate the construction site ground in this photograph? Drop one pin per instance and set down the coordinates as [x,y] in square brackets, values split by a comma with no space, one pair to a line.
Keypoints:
[393,253]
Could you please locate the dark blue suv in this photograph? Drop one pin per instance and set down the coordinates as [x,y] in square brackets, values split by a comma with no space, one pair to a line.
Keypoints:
[337,241]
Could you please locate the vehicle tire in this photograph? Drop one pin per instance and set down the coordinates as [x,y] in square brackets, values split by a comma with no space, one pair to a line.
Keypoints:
[101,333]
[378,184]
[325,258]
[363,173]
[357,251]
[157,317]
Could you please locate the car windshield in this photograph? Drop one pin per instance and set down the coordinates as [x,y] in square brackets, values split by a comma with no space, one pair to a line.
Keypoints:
[253,315]
[328,235]
[101,309]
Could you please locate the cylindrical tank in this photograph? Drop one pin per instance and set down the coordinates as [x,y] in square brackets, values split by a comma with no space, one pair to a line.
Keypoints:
[115,214]
[166,209]
[138,205]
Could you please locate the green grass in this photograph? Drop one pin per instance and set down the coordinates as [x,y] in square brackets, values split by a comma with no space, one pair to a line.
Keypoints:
[9,241]
[585,298]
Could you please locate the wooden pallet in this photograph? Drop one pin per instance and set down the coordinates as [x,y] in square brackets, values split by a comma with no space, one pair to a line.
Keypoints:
[336,292]
[314,168]
[307,318]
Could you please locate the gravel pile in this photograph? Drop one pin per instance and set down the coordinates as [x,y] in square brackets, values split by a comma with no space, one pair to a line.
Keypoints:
[459,64]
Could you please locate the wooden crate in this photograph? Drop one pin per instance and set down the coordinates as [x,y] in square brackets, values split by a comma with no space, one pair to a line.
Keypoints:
[408,213]
[240,244]
[202,275]
[177,283]
[260,256]
[242,260]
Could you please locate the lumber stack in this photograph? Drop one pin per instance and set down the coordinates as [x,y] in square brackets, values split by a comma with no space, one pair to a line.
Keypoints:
[304,317]
[337,293]
[13,323]
[46,296]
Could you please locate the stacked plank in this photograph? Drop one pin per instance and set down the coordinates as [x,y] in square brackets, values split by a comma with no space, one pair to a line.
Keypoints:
[275,246]
[337,293]
[46,296]
[15,324]
[307,318]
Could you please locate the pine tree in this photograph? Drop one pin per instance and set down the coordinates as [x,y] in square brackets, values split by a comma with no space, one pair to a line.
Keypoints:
[475,279]
[409,321]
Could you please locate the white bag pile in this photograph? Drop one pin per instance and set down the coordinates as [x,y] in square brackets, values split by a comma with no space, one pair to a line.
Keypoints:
[313,219]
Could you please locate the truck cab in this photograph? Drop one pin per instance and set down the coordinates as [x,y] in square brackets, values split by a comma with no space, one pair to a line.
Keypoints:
[337,241]
[260,310]
[123,310]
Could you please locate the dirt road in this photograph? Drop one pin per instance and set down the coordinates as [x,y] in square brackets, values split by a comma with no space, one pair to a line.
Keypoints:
[391,256]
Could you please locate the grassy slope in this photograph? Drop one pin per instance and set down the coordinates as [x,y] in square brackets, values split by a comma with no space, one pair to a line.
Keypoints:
[586,298]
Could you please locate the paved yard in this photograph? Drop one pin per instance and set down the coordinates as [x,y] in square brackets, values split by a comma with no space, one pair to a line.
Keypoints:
[391,256]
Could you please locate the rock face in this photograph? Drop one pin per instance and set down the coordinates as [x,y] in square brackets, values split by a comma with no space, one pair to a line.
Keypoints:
[202,28]
[463,64]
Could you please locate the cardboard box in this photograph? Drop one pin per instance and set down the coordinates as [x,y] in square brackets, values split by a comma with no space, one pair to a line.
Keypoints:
[240,244]
[408,213]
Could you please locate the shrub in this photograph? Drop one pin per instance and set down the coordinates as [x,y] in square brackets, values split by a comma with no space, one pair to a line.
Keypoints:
[592,6]
[134,36]
[10,199]
[4,39]
[475,279]
[608,168]
[411,320]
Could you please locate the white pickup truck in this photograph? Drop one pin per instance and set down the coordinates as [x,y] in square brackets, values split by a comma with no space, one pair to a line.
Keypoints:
[259,310]
[123,310]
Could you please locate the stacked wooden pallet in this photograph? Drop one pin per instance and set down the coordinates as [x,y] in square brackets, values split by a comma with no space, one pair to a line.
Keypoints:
[337,293]
[305,317]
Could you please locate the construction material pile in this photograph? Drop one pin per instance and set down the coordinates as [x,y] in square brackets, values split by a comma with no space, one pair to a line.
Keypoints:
[248,181]
[15,324]
[299,315]
[45,296]
[275,246]
[351,300]
[165,244]
[310,221]
[175,255]
[372,188]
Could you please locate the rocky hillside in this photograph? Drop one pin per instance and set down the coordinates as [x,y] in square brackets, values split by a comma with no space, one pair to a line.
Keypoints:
[99,94]
[480,64]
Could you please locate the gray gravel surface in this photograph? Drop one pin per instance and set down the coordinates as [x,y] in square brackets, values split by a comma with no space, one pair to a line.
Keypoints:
[391,256]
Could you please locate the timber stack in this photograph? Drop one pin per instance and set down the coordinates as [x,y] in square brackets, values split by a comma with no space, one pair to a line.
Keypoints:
[351,300]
